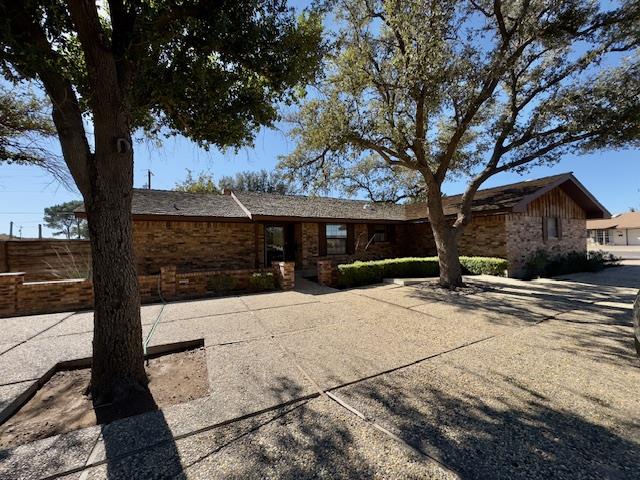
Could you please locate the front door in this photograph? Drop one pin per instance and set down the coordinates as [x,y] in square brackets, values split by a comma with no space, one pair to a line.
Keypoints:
[279,242]
[274,243]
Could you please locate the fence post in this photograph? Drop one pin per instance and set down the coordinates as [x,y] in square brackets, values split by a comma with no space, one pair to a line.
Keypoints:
[285,273]
[168,281]
[9,284]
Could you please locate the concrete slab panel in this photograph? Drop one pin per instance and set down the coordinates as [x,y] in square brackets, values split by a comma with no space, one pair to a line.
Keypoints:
[225,328]
[19,329]
[202,308]
[49,456]
[249,376]
[278,299]
[518,406]
[317,439]
[299,317]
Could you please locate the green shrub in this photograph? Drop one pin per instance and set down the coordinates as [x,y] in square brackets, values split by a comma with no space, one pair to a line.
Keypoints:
[260,282]
[221,284]
[542,264]
[367,273]
[483,265]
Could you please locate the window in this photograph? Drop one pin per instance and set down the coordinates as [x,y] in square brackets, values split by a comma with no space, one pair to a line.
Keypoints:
[336,239]
[600,236]
[380,233]
[552,228]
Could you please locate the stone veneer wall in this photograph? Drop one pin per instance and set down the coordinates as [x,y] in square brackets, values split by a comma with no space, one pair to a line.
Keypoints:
[194,245]
[524,237]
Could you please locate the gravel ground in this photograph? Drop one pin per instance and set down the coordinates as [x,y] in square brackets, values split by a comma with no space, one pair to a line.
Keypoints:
[508,380]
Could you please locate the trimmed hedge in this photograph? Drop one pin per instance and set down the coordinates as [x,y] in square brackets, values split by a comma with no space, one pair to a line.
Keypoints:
[366,273]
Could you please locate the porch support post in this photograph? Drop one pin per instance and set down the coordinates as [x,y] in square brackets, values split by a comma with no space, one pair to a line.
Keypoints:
[285,273]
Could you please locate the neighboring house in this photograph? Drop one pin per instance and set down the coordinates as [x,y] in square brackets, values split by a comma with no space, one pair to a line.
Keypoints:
[236,230]
[623,229]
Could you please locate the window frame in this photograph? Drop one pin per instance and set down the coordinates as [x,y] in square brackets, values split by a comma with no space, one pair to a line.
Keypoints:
[341,238]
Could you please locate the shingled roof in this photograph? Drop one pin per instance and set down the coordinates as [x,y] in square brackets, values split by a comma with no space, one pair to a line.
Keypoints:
[270,205]
[169,203]
[622,221]
[243,206]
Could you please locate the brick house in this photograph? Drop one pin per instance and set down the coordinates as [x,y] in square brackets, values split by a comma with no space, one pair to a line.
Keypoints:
[239,230]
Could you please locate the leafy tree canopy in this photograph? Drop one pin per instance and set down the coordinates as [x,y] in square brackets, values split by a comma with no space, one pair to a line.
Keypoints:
[62,219]
[468,87]
[260,181]
[248,181]
[24,124]
[202,183]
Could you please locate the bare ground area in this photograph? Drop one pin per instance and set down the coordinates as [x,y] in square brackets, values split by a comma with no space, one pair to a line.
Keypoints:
[62,406]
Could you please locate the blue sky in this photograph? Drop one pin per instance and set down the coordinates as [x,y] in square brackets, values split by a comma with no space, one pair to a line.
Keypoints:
[612,176]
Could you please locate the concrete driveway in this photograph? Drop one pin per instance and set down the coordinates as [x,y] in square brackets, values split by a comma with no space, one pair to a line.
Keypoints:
[507,379]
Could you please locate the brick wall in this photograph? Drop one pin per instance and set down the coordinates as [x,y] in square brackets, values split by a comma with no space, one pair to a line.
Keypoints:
[309,237]
[417,240]
[524,237]
[362,251]
[485,236]
[194,245]
[18,297]
[54,296]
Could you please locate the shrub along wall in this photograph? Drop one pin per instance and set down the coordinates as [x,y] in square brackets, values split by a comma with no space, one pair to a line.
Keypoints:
[366,273]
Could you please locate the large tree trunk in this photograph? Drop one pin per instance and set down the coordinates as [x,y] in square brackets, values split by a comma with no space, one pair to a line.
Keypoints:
[118,362]
[446,239]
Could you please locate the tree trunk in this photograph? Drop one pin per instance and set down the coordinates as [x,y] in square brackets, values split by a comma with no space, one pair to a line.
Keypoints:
[118,361]
[636,324]
[446,240]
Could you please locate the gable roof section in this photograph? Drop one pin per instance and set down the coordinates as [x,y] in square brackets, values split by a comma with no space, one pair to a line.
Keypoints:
[515,197]
[272,206]
[625,220]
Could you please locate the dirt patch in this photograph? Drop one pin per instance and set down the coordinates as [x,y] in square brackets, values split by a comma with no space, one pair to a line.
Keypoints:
[61,406]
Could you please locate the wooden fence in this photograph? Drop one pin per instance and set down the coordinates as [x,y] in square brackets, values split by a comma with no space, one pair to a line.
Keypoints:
[46,259]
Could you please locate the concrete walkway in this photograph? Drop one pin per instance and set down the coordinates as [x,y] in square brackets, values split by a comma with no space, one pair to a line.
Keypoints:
[508,379]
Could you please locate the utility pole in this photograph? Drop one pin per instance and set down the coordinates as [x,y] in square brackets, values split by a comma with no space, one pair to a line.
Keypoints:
[40,231]
[149,174]
[20,232]
[10,230]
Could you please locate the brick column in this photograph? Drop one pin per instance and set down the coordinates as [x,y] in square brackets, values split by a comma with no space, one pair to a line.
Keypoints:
[285,274]
[9,284]
[168,281]
[325,272]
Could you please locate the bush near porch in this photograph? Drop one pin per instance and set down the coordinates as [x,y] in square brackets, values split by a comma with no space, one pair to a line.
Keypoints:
[367,273]
[543,264]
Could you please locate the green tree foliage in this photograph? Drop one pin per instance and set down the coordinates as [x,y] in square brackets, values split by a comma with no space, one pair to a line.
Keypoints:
[203,183]
[248,181]
[212,71]
[470,88]
[62,219]
[24,126]
[260,181]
